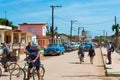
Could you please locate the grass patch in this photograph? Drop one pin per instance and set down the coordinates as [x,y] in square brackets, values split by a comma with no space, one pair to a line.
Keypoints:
[107,68]
[113,75]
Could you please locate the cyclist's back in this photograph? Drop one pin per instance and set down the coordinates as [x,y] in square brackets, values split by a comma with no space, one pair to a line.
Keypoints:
[81,50]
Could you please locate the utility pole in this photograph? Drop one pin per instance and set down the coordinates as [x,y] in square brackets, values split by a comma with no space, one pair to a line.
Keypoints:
[6,22]
[115,20]
[106,35]
[52,27]
[72,21]
[116,33]
[79,33]
[5,15]
[103,33]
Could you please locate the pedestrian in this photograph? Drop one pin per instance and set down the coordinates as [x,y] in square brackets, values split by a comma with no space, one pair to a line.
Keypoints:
[28,48]
[81,52]
[35,60]
[109,50]
[6,57]
[91,54]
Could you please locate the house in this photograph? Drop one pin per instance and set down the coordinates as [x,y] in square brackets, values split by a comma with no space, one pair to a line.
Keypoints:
[38,29]
[64,38]
[14,38]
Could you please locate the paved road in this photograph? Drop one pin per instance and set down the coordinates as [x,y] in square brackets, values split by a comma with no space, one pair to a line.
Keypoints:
[68,67]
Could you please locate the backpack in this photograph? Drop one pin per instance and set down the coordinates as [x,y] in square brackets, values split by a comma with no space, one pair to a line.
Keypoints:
[112,48]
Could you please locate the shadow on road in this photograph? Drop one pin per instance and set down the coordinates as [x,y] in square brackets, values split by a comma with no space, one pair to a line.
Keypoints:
[78,63]
[84,76]
[4,75]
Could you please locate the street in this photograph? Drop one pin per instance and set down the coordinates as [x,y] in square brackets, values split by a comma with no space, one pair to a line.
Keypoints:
[68,67]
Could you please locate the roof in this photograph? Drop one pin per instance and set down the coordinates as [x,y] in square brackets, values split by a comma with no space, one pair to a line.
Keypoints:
[33,24]
[43,37]
[5,27]
[20,31]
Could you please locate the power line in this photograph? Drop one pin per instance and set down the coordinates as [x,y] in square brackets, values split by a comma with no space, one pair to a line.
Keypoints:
[107,21]
[97,22]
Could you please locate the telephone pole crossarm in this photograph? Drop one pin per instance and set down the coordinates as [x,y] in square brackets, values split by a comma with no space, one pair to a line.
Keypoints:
[52,27]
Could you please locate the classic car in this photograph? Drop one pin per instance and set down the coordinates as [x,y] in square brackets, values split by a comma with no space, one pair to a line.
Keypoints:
[87,45]
[1,50]
[54,49]
[67,47]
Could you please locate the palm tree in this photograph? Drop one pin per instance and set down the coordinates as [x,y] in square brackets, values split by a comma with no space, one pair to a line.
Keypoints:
[116,29]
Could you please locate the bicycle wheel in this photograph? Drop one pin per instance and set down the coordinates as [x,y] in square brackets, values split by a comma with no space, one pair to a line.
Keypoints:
[80,59]
[13,68]
[34,74]
[19,76]
[0,72]
[42,71]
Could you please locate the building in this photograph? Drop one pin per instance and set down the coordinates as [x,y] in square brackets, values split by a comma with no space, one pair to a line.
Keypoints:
[84,33]
[38,30]
[16,39]
[64,38]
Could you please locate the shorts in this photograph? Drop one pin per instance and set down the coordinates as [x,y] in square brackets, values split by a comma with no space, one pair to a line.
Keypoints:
[31,65]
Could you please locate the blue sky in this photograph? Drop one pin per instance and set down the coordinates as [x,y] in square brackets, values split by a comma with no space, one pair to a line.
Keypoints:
[94,15]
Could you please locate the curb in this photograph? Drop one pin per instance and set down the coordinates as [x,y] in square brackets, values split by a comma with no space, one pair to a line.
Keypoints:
[106,73]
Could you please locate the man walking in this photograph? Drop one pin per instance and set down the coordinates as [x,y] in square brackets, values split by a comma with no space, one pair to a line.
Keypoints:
[109,47]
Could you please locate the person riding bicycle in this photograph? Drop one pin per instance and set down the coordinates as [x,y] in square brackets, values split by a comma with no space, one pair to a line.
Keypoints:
[28,48]
[34,55]
[81,52]
[6,56]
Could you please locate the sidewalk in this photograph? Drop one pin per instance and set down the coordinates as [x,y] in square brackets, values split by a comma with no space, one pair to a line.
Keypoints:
[113,68]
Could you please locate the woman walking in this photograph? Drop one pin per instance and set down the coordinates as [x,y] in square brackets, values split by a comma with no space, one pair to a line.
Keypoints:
[91,54]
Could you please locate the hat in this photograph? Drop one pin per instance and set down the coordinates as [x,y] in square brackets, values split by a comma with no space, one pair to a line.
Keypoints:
[34,44]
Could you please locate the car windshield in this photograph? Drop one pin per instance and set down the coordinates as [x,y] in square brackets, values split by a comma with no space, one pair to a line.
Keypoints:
[87,43]
[53,45]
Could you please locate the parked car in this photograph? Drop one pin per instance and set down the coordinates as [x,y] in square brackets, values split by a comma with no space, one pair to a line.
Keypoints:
[67,47]
[87,45]
[1,49]
[74,45]
[54,49]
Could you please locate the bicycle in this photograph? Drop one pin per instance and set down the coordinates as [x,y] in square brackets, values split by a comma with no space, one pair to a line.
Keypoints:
[11,65]
[33,72]
[28,60]
[0,72]
[22,72]
[81,56]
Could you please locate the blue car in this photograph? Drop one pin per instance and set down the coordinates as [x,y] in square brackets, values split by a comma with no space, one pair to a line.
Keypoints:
[87,45]
[54,49]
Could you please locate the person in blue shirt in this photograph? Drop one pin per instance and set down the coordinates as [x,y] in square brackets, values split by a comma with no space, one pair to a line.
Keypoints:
[34,56]
[5,59]
[28,48]
[81,51]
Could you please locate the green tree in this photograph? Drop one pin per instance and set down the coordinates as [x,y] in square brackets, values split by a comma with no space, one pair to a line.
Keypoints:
[116,29]
[6,22]
[49,31]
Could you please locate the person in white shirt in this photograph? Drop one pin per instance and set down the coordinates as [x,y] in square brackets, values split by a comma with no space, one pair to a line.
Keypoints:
[109,46]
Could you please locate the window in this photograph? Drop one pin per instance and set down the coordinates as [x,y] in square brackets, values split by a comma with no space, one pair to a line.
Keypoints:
[29,29]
